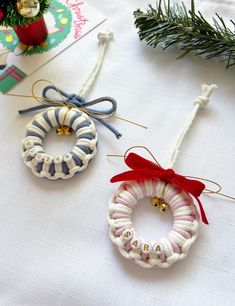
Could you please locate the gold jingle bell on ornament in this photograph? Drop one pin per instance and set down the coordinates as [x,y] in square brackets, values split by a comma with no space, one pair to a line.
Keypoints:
[28,8]
[64,130]
[163,206]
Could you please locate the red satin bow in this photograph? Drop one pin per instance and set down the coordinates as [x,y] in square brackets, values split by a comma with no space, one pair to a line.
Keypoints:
[143,169]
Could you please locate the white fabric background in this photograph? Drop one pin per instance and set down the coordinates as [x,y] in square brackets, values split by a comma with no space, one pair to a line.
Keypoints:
[54,245]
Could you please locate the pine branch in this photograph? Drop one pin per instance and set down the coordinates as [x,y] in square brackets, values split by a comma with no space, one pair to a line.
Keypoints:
[168,25]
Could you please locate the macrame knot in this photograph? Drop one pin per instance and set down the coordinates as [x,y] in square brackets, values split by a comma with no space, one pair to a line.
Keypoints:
[207,90]
[202,101]
[167,175]
[105,36]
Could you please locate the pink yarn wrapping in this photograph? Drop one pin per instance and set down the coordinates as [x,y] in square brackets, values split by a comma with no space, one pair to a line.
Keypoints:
[175,198]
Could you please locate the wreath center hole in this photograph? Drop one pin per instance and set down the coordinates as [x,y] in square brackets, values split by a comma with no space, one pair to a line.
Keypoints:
[149,222]
[54,144]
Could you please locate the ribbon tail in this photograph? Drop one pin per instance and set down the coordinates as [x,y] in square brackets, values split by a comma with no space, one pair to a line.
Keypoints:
[109,126]
[202,211]
[32,109]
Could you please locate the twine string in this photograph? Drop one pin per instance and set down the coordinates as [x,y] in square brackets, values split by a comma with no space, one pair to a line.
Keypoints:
[74,101]
[77,100]
[202,179]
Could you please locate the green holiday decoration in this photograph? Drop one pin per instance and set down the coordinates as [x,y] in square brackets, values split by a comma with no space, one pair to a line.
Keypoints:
[16,12]
[168,24]
[62,17]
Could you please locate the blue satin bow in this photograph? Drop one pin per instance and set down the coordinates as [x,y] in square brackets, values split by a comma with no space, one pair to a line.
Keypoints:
[74,100]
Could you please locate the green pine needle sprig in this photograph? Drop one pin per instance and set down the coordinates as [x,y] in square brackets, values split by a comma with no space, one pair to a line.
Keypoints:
[167,25]
[13,19]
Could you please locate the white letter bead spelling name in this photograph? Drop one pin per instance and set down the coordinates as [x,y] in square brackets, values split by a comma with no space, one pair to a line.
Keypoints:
[64,167]
[169,249]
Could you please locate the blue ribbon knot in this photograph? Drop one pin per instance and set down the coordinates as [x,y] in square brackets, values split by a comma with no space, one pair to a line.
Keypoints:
[74,100]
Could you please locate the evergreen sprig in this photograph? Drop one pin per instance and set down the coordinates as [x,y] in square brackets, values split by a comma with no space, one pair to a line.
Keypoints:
[12,18]
[168,24]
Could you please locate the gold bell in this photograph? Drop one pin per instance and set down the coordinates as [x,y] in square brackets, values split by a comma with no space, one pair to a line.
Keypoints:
[64,130]
[155,201]
[163,206]
[60,131]
[67,130]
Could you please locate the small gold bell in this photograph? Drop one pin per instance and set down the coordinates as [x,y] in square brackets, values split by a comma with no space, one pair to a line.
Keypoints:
[28,8]
[67,130]
[64,130]
[60,131]
[155,201]
[163,206]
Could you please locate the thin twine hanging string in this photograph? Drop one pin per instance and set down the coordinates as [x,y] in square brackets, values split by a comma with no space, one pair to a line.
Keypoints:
[204,180]
[49,102]
[104,39]
[2,52]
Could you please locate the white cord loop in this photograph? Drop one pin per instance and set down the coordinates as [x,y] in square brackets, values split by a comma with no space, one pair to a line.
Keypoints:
[207,90]
[105,36]
[176,244]
[148,254]
[64,167]
[202,100]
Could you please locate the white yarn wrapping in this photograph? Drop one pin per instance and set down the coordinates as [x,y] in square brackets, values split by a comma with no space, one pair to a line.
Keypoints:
[123,202]
[152,187]
[36,158]
[33,153]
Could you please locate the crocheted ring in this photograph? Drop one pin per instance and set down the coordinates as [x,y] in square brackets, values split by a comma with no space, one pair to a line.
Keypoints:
[64,167]
[169,249]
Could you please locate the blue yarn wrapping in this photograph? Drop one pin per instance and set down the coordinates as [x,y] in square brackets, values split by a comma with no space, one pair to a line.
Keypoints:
[77,101]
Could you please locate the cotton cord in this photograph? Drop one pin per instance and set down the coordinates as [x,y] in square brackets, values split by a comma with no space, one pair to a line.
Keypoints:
[201,101]
[104,38]
[176,244]
[59,167]
[76,101]
[170,248]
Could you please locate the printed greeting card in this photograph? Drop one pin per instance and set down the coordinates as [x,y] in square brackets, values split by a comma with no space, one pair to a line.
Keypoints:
[67,21]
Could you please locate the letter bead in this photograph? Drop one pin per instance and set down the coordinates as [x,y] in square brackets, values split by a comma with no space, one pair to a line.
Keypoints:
[28,144]
[59,167]
[127,235]
[146,248]
[148,253]
[157,249]
[135,243]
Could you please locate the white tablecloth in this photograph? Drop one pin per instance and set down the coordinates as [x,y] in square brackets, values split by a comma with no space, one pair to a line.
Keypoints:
[54,244]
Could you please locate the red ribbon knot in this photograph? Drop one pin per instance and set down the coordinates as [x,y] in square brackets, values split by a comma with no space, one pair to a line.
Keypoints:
[143,169]
[167,175]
